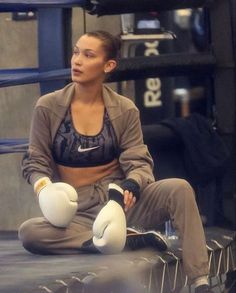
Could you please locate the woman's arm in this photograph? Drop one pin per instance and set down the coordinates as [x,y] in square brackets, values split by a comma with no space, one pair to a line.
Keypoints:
[135,159]
[37,162]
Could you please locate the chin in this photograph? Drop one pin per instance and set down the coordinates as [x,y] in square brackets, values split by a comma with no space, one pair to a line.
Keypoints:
[76,79]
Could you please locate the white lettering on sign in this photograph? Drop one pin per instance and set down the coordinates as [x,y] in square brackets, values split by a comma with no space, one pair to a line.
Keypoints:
[152,93]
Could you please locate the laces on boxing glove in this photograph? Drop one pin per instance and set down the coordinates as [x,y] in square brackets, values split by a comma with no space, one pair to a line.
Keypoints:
[132,186]
[115,193]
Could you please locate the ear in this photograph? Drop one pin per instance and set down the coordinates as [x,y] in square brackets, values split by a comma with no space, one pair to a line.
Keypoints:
[110,66]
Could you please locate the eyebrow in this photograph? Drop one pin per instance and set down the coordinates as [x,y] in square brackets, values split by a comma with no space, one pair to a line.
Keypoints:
[86,50]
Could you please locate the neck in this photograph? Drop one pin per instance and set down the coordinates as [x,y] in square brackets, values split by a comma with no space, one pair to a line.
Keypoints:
[88,93]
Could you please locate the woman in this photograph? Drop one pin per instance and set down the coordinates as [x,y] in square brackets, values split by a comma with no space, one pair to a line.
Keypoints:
[88,136]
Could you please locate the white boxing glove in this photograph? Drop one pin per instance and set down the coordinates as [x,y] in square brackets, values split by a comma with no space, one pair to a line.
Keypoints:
[58,201]
[109,228]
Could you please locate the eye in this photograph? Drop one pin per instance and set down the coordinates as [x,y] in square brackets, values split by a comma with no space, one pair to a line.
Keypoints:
[89,55]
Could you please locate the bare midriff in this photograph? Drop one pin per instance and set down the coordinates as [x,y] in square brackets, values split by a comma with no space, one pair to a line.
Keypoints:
[78,177]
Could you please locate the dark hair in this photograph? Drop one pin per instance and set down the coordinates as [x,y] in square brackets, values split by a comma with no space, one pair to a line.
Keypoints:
[111,44]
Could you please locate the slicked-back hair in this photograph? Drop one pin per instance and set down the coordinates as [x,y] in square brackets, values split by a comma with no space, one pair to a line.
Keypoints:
[110,43]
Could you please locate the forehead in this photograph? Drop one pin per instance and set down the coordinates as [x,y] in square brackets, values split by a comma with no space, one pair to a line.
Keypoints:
[90,43]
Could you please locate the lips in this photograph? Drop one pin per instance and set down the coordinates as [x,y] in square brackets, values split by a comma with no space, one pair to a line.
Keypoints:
[76,71]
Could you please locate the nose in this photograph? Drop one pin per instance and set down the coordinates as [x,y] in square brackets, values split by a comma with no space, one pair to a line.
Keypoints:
[77,59]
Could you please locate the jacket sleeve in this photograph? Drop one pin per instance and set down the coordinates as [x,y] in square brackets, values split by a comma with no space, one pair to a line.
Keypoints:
[135,159]
[37,161]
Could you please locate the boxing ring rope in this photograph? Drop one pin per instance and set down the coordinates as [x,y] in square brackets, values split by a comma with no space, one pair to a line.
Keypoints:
[128,69]
[13,77]
[11,145]
[104,7]
[32,5]
[109,7]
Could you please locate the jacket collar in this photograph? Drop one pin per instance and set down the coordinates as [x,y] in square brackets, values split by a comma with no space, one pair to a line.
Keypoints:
[65,95]
[111,99]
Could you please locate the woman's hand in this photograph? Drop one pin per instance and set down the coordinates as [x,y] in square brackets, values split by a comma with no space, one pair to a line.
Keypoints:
[131,193]
[129,200]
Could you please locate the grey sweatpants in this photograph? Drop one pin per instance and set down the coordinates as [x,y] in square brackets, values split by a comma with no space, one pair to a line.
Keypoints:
[162,200]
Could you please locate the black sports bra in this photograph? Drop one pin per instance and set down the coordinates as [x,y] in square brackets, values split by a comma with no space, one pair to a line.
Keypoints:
[73,149]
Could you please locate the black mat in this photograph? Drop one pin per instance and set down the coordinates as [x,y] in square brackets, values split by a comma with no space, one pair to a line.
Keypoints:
[133,271]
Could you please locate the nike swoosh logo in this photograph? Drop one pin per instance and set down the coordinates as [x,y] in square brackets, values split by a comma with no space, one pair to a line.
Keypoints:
[80,150]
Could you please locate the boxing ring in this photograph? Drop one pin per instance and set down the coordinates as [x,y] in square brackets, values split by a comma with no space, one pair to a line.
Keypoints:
[145,270]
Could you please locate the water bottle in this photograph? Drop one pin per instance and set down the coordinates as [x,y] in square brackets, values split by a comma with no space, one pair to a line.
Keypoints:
[170,232]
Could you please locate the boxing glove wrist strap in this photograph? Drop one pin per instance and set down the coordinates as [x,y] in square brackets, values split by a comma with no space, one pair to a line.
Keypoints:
[132,186]
[40,184]
[115,193]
